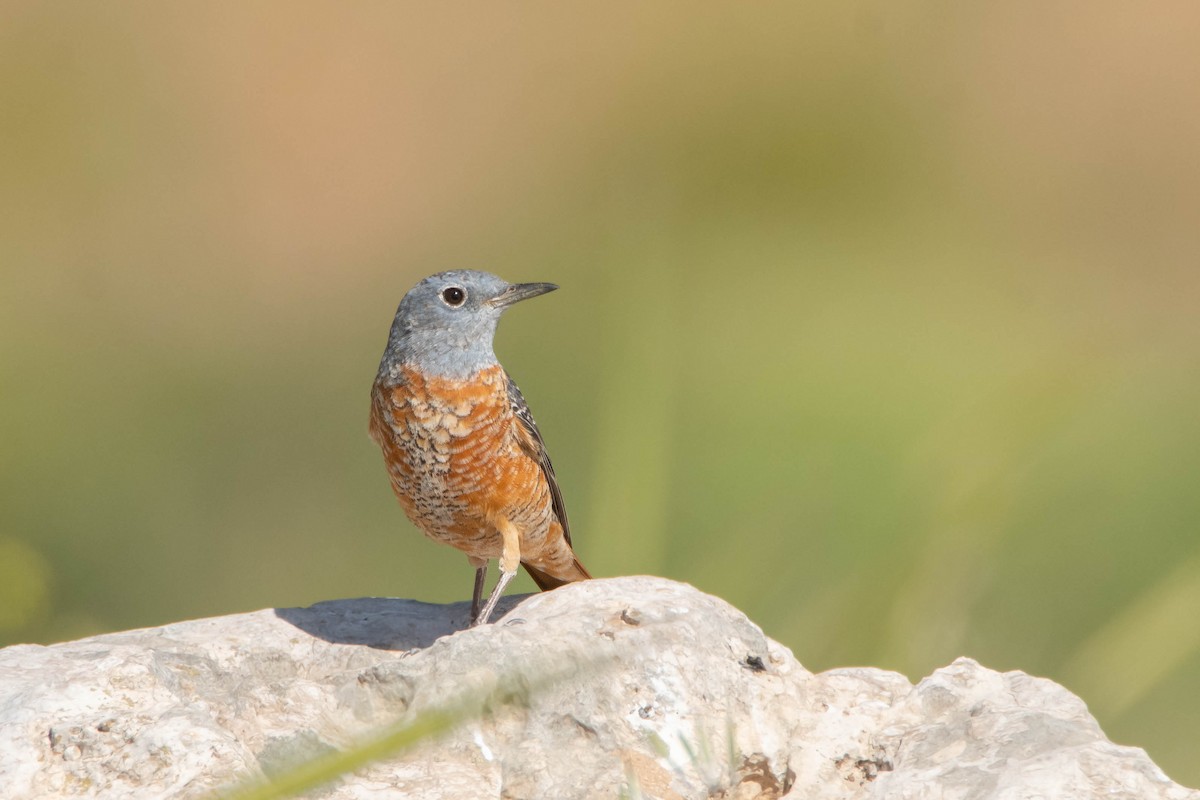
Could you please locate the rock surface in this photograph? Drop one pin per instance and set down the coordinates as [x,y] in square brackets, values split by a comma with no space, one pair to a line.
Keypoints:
[657,691]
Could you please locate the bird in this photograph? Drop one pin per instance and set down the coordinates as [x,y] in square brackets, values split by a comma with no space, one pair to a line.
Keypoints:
[463,453]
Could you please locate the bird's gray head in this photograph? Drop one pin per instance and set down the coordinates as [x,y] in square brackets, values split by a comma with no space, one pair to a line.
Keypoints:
[445,324]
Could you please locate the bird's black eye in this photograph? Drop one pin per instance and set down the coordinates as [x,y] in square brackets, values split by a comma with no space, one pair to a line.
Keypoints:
[453,295]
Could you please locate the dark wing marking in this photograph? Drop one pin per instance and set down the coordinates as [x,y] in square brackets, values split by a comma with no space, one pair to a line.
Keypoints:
[537,451]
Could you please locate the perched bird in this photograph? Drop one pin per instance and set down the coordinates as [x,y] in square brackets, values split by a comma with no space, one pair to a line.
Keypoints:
[463,453]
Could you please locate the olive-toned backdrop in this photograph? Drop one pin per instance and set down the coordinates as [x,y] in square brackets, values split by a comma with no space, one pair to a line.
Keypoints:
[879,320]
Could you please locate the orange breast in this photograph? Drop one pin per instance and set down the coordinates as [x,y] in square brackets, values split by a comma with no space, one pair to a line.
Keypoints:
[455,461]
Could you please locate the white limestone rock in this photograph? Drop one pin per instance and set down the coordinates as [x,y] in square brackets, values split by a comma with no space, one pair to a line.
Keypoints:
[658,691]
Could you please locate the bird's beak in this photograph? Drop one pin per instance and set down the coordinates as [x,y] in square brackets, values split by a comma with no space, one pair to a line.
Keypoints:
[517,292]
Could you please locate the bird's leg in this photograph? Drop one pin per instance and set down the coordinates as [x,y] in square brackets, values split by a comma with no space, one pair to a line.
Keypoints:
[480,565]
[510,559]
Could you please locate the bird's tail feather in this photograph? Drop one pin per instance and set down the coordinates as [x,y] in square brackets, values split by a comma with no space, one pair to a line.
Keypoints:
[546,581]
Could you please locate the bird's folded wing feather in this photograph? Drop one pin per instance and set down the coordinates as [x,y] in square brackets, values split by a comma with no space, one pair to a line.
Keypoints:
[533,445]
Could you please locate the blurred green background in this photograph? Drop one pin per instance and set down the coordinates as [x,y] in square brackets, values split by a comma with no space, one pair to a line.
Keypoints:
[879,320]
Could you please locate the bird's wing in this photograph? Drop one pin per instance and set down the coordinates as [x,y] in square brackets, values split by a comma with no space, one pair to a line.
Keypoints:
[533,445]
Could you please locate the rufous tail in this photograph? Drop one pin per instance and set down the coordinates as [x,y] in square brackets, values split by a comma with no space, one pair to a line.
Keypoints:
[546,581]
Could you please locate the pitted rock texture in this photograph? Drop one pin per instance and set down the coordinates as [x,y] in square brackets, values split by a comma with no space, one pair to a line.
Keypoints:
[641,687]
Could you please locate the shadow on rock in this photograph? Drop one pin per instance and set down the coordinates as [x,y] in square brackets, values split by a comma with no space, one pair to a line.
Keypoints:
[384,623]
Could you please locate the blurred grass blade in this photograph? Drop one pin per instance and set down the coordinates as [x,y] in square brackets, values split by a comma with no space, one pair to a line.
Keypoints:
[330,767]
[1140,647]
[401,736]
[633,449]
